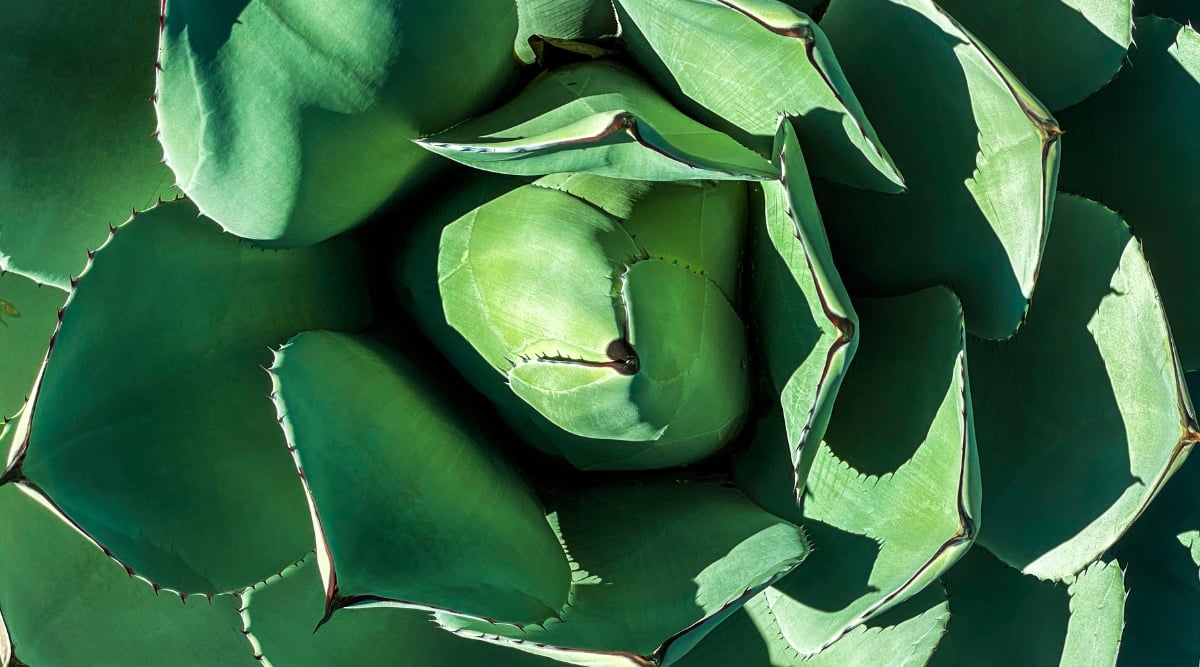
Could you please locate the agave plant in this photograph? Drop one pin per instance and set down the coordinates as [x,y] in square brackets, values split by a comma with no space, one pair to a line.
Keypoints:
[599,332]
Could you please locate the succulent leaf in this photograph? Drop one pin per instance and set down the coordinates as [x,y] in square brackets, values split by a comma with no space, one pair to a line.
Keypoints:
[1080,417]
[615,341]
[600,118]
[806,325]
[891,509]
[1000,617]
[77,125]
[66,603]
[562,19]
[1135,147]
[279,614]
[979,154]
[1162,557]
[432,506]
[321,97]
[28,317]
[649,582]
[904,637]
[1062,50]
[151,410]
[726,68]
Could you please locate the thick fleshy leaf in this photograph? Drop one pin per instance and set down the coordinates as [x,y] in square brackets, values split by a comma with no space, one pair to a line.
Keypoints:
[291,122]
[1162,557]
[725,59]
[906,636]
[893,494]
[1000,617]
[980,155]
[656,567]
[1062,50]
[616,343]
[1135,147]
[804,321]
[279,615]
[1183,11]
[77,121]
[562,19]
[437,520]
[599,118]
[1080,416]
[66,603]
[150,426]
[28,316]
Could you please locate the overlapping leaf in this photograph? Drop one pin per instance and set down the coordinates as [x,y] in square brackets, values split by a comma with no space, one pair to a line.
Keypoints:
[1081,416]
[724,59]
[437,520]
[150,427]
[979,153]
[77,123]
[291,122]
[893,494]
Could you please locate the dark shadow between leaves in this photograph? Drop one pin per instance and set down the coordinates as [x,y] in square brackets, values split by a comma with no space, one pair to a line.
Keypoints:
[837,571]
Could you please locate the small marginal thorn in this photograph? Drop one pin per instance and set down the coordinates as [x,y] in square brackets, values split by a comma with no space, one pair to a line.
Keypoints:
[158,66]
[91,254]
[111,230]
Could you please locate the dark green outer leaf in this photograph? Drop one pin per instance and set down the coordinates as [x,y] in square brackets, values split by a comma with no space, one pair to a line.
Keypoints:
[436,519]
[1083,415]
[28,317]
[77,124]
[656,567]
[1000,617]
[979,153]
[279,615]
[152,409]
[1162,557]
[292,122]
[66,603]
[1135,147]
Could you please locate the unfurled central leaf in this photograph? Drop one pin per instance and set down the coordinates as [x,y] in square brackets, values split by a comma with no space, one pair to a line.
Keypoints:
[607,306]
